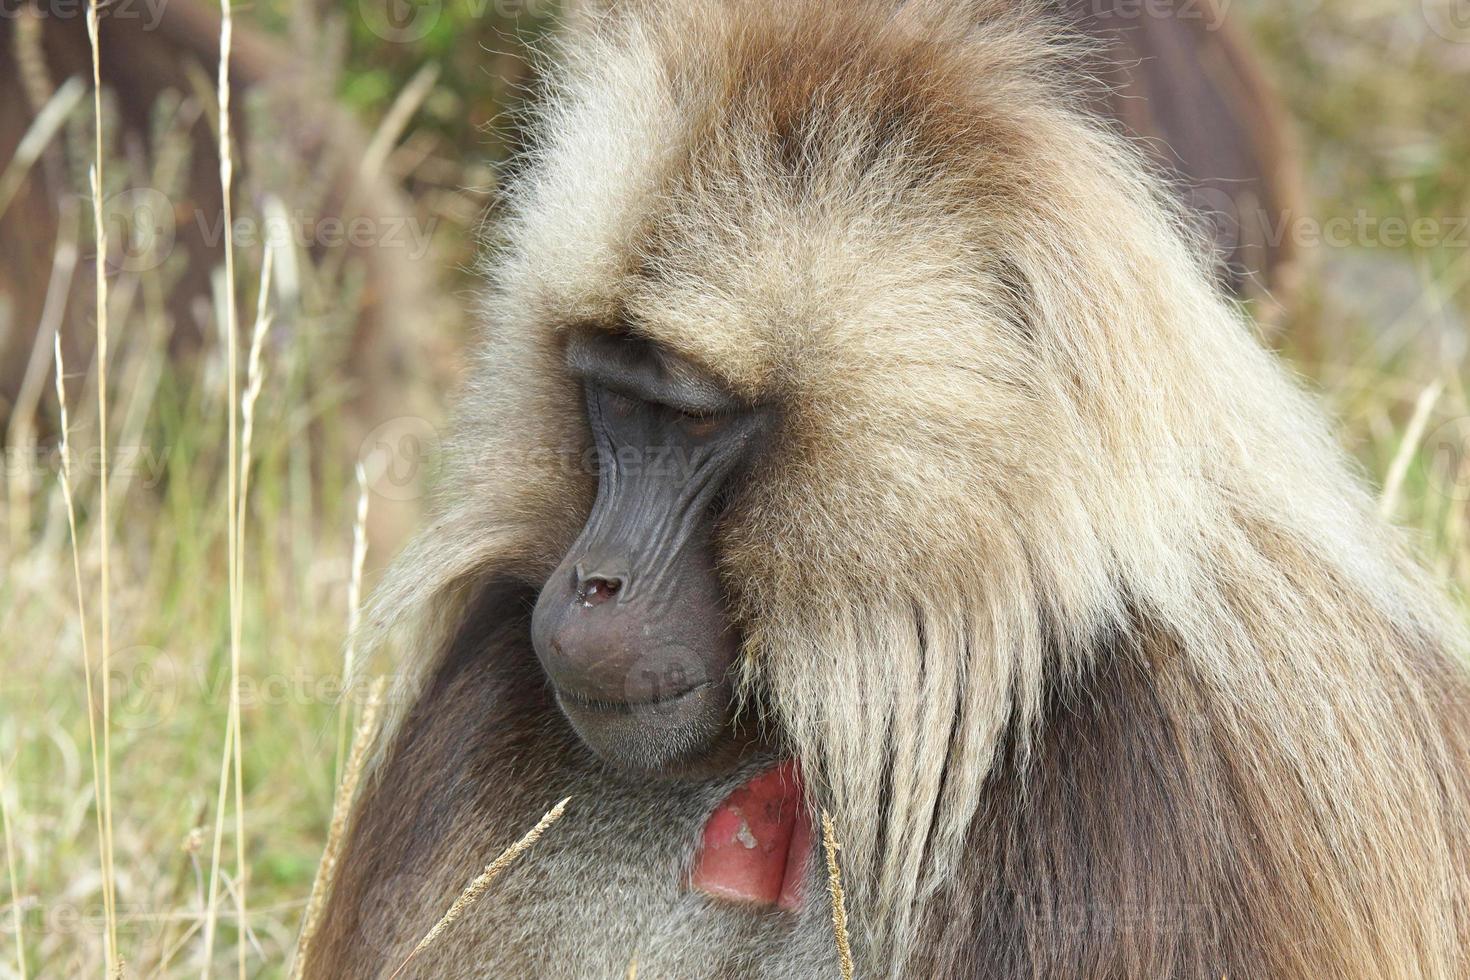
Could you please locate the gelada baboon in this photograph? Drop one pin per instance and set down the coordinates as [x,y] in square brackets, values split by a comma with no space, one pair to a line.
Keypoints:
[859,430]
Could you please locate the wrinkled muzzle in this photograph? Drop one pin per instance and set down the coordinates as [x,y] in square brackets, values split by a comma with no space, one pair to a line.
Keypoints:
[631,627]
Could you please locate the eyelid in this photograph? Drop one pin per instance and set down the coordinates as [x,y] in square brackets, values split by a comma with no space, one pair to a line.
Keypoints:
[697,414]
[691,413]
[700,426]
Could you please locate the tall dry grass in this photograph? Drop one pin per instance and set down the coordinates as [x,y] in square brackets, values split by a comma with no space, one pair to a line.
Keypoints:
[109,868]
[10,873]
[336,834]
[233,518]
[129,496]
[838,897]
[481,883]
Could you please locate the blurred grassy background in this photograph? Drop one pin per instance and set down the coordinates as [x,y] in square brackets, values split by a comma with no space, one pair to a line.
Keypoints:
[1377,88]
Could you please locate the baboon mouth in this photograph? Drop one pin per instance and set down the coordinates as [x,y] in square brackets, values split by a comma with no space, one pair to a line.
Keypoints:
[757,844]
[656,736]
[624,707]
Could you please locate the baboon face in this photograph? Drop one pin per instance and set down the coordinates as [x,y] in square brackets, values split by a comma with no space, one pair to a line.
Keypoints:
[632,627]
[791,325]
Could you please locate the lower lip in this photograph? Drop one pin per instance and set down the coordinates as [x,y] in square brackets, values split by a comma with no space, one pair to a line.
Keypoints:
[579,703]
[662,738]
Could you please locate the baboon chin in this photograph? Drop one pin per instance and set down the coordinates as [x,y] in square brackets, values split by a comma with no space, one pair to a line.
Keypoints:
[860,429]
[632,626]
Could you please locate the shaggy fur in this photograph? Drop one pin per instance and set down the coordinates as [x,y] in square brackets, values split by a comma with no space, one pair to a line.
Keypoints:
[1057,584]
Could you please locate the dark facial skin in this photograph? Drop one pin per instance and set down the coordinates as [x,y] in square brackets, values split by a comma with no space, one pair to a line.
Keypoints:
[632,628]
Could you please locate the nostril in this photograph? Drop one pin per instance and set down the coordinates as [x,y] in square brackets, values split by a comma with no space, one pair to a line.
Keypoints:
[597,589]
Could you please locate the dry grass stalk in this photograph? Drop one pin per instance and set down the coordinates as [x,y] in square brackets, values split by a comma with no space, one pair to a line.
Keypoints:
[476,888]
[38,136]
[233,735]
[237,507]
[254,379]
[76,564]
[1413,435]
[211,913]
[839,901]
[5,822]
[30,58]
[367,728]
[109,879]
[397,118]
[354,610]
[633,969]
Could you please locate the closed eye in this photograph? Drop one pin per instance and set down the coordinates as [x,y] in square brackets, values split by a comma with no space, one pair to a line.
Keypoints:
[699,422]
[696,421]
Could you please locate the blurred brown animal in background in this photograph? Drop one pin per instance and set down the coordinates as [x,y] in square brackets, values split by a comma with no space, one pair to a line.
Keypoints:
[157,69]
[351,272]
[860,426]
[1182,79]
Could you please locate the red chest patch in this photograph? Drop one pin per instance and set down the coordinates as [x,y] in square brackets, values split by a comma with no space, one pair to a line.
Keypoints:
[757,843]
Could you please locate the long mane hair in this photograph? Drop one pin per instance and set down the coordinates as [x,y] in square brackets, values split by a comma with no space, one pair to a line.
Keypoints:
[1026,448]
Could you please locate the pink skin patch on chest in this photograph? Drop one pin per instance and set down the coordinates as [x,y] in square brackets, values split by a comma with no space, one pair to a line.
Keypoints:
[757,843]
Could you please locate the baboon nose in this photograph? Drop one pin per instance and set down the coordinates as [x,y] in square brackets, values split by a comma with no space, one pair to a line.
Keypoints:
[596,587]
